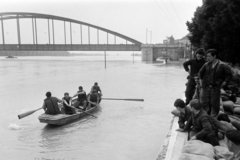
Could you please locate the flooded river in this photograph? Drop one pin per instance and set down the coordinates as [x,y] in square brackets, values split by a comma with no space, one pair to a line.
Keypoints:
[123,130]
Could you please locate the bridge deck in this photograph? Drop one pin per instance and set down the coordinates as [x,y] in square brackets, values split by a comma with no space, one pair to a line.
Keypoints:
[69,47]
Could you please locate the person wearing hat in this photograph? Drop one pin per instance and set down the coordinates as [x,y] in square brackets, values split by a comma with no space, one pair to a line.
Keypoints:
[213,76]
[185,112]
[195,65]
[232,140]
[200,125]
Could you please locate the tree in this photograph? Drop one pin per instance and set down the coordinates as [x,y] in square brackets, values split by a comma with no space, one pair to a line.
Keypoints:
[216,24]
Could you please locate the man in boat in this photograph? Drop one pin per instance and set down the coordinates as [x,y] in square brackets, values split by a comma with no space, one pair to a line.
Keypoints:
[195,65]
[185,112]
[97,89]
[93,99]
[82,98]
[213,76]
[232,140]
[67,104]
[202,128]
[50,104]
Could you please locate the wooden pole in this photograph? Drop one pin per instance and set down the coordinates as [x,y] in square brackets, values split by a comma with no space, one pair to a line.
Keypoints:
[133,57]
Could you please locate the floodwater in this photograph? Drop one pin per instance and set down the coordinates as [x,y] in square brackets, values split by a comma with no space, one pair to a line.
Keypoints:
[123,130]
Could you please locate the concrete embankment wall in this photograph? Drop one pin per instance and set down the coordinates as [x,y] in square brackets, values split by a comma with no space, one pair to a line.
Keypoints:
[34,53]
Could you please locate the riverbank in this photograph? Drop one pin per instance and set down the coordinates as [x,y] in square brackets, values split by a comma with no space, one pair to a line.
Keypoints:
[174,142]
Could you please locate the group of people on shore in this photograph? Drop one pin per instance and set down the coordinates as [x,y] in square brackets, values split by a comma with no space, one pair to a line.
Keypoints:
[200,114]
[83,102]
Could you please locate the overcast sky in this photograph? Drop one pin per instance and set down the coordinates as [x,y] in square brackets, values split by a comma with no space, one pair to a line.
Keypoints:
[128,17]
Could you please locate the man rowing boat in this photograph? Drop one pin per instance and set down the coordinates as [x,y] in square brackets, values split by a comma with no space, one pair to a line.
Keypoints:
[93,99]
[67,104]
[50,104]
[82,98]
[97,89]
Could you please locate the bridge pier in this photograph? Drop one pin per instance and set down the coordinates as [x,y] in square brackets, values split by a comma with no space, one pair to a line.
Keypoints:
[150,52]
[147,53]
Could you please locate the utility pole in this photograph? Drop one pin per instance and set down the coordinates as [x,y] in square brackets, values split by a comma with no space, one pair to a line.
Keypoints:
[150,31]
[151,37]
[146,34]
[166,53]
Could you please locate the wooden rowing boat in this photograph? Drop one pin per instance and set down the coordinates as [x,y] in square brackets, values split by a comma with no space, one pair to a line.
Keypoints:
[62,119]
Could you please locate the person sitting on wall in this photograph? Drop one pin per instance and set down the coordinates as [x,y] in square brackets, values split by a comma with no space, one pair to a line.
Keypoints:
[50,104]
[232,140]
[185,112]
[202,129]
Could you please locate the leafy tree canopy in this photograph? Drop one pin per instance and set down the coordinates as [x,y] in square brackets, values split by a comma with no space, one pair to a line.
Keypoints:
[216,24]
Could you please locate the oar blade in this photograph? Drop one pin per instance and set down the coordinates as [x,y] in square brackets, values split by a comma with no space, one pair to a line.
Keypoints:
[25,114]
[28,113]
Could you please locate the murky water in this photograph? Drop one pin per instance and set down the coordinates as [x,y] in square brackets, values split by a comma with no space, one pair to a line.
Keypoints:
[123,130]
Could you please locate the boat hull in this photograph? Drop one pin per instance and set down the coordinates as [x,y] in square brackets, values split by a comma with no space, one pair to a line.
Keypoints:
[62,119]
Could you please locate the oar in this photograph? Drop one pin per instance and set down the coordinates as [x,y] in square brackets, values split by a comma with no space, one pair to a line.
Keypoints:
[86,112]
[27,113]
[93,103]
[82,111]
[123,99]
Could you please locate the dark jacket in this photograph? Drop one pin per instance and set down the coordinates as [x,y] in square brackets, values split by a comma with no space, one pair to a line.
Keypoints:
[51,106]
[183,117]
[82,96]
[93,97]
[67,108]
[222,73]
[195,65]
[200,123]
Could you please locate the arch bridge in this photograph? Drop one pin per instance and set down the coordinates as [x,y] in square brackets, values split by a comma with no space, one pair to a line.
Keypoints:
[51,43]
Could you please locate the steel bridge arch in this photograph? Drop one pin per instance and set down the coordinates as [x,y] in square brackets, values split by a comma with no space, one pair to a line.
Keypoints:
[21,15]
